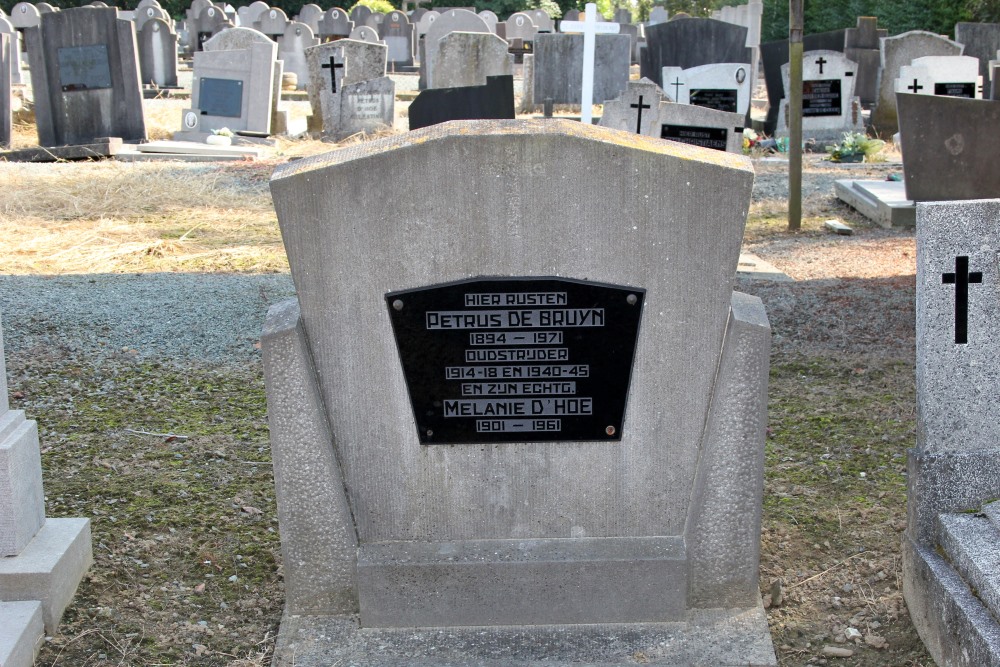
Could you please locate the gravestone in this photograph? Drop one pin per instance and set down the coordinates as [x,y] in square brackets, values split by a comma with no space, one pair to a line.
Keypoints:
[572,15]
[453,20]
[146,13]
[360,14]
[494,100]
[348,89]
[44,8]
[250,14]
[949,147]
[272,23]
[543,22]
[586,487]
[519,31]
[85,77]
[491,20]
[292,51]
[397,33]
[44,559]
[981,40]
[14,62]
[423,24]
[467,59]
[952,76]
[335,25]
[691,43]
[644,109]
[589,27]
[722,86]
[26,15]
[950,550]
[559,67]
[6,88]
[774,55]
[211,21]
[157,53]
[365,33]
[311,14]
[829,106]
[232,87]
[622,16]
[242,39]
[658,15]
[896,52]
[861,46]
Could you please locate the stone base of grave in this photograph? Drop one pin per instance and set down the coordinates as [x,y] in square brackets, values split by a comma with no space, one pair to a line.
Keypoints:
[101,148]
[49,568]
[882,202]
[21,633]
[718,637]
[238,140]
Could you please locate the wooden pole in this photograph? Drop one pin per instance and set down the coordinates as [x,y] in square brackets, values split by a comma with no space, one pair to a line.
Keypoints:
[795,22]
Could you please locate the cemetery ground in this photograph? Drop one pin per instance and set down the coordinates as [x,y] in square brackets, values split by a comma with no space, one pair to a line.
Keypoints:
[132,298]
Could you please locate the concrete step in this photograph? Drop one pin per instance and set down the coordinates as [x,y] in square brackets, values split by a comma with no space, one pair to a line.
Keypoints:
[992,511]
[972,543]
[21,632]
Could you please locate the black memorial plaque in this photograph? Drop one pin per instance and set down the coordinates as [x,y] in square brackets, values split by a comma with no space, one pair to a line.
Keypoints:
[714,98]
[84,67]
[956,89]
[517,359]
[220,97]
[706,137]
[821,98]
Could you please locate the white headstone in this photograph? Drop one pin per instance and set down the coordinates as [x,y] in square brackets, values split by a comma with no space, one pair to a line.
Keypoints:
[723,86]
[953,76]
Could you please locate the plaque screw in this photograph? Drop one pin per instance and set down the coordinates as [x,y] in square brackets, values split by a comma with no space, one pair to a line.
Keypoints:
[631,299]
[429,433]
[610,430]
[397,304]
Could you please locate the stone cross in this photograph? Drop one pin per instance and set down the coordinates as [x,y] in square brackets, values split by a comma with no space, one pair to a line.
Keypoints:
[333,65]
[821,61]
[961,279]
[915,87]
[677,88]
[590,28]
[639,106]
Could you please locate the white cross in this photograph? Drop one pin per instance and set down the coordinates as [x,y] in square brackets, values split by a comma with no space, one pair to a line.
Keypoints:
[590,28]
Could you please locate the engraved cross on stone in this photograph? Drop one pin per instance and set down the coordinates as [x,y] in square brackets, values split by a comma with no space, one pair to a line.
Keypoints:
[639,107]
[333,65]
[677,88]
[961,279]
[821,61]
[915,87]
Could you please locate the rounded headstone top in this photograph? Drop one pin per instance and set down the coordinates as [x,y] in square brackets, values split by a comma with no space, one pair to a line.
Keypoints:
[455,20]
[365,33]
[24,15]
[235,38]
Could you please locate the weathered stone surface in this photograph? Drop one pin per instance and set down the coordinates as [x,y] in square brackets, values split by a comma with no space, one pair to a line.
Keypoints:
[559,67]
[467,59]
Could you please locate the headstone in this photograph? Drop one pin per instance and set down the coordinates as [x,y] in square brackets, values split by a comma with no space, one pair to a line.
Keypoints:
[423,24]
[588,488]
[157,53]
[861,46]
[543,22]
[44,8]
[211,21]
[622,16]
[311,14]
[44,558]
[774,55]
[644,109]
[590,28]
[722,86]
[233,86]
[981,40]
[14,63]
[494,100]
[85,77]
[467,59]
[292,51]
[829,105]
[520,26]
[691,43]
[559,67]
[375,20]
[453,20]
[896,52]
[348,87]
[250,15]
[146,13]
[272,23]
[950,548]
[953,76]
[6,88]
[360,14]
[365,33]
[335,25]
[572,15]
[658,15]
[949,147]
[397,33]
[749,16]
[491,19]
[26,15]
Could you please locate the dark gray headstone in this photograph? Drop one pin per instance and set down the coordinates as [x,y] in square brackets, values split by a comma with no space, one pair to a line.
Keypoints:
[85,77]
[981,40]
[949,147]
[158,53]
[6,120]
[397,33]
[495,100]
[775,54]
[690,43]
[335,24]
[861,47]
[559,67]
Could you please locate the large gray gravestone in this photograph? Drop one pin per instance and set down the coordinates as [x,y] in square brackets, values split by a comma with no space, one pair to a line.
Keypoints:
[292,51]
[693,42]
[560,506]
[397,33]
[466,59]
[158,53]
[85,77]
[981,40]
[14,62]
[348,88]
[896,52]
[951,550]
[453,20]
[829,105]
[861,45]
[24,15]
[558,67]
[336,24]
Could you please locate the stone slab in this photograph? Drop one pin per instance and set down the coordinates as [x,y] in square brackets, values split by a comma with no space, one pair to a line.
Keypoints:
[21,633]
[558,67]
[22,504]
[882,202]
[95,151]
[717,637]
[180,152]
[49,568]
[972,545]
[752,266]
[438,105]
[192,148]
[522,582]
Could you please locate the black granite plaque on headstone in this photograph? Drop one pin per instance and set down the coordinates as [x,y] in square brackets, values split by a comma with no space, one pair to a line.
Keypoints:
[821,97]
[220,97]
[721,99]
[956,89]
[437,105]
[517,359]
[84,67]
[706,137]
